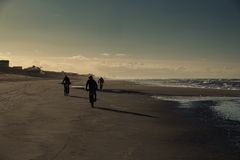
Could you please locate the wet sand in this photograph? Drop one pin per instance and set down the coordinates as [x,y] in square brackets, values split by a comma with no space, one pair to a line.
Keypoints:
[37,122]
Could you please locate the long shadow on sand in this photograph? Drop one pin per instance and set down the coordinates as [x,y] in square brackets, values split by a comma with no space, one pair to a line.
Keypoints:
[125,112]
[123,91]
[79,97]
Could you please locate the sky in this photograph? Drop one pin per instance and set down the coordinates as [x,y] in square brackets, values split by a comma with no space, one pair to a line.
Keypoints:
[124,38]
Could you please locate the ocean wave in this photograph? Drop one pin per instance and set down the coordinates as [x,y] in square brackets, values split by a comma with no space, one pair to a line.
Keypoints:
[225,107]
[225,84]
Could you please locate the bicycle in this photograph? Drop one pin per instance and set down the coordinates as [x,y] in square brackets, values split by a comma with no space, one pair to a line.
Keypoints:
[91,86]
[92,97]
[66,89]
[66,83]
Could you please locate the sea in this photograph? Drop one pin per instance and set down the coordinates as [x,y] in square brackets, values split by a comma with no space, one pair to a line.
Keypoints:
[226,84]
[227,108]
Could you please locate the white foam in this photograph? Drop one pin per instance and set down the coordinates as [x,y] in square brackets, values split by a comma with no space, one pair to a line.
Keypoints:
[193,83]
[226,107]
[78,87]
[229,109]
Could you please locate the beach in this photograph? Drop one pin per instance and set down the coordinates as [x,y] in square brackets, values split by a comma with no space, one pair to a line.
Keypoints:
[37,122]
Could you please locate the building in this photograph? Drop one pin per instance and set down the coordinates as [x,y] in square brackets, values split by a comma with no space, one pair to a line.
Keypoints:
[17,68]
[4,63]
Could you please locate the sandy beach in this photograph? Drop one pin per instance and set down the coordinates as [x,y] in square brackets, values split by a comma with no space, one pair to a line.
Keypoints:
[38,123]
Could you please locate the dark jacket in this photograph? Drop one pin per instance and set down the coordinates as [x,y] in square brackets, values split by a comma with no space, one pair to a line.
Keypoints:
[92,85]
[66,81]
[101,81]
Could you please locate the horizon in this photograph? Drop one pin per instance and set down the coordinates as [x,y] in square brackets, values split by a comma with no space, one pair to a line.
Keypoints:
[124,40]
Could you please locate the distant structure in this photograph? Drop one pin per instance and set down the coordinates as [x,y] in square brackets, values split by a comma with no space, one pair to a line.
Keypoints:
[33,69]
[4,67]
[4,63]
[30,71]
[17,67]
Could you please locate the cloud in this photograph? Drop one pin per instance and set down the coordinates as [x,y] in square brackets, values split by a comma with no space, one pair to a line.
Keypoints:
[78,57]
[117,55]
[112,66]
[106,54]
[6,53]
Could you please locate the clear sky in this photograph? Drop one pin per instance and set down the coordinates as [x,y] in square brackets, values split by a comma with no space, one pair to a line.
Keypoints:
[124,38]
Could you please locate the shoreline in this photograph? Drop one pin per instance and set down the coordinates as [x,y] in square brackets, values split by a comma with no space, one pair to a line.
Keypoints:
[203,112]
[209,83]
[175,91]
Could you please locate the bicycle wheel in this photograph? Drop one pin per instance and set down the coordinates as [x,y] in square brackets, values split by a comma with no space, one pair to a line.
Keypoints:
[91,99]
[66,90]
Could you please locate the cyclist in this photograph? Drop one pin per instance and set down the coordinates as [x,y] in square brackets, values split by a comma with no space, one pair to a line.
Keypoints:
[92,87]
[66,83]
[101,81]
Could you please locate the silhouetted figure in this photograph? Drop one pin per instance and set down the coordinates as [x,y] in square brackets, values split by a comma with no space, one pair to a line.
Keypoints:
[66,83]
[101,81]
[92,87]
